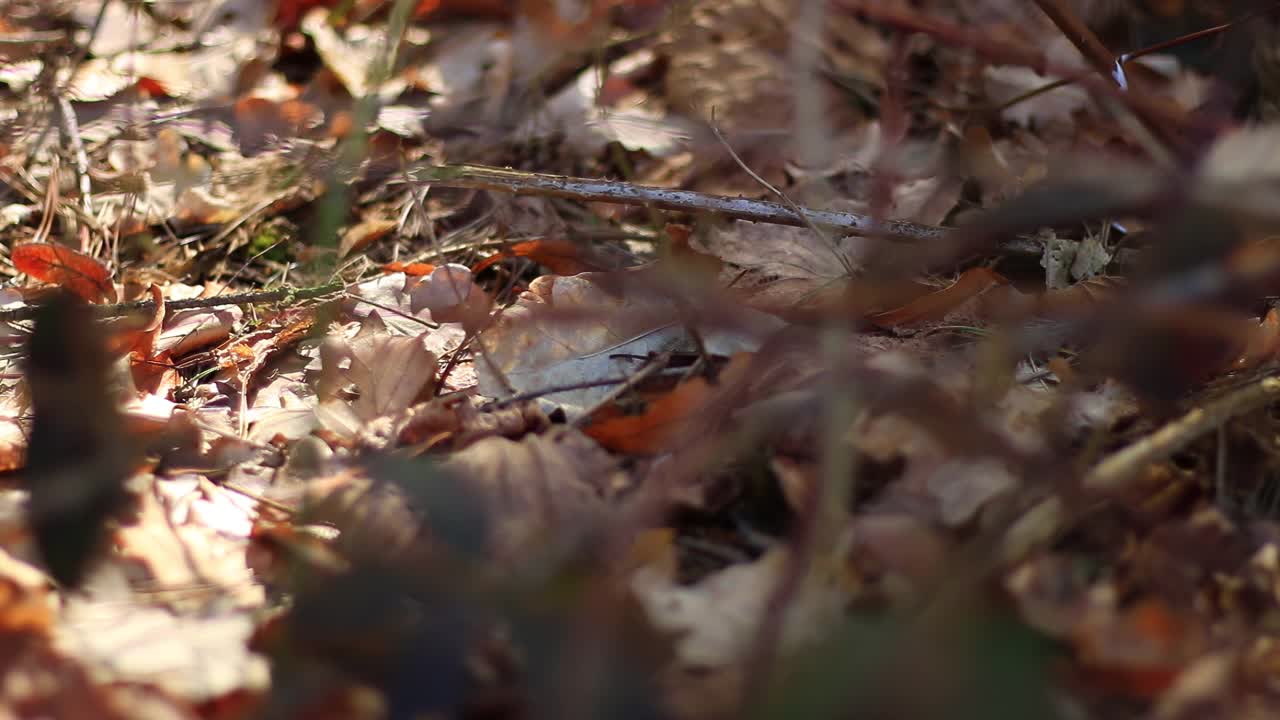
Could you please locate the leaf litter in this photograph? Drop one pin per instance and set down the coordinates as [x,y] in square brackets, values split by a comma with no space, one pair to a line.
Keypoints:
[301,419]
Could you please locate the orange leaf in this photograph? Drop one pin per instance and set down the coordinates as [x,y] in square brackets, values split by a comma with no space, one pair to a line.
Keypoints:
[664,419]
[935,305]
[1139,653]
[561,257]
[84,276]
[137,339]
[410,269]
[1262,343]
[491,9]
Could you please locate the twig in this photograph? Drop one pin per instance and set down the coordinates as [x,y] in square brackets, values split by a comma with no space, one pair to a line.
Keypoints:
[28,312]
[1104,61]
[1050,517]
[71,128]
[519,182]
[1113,472]
[653,367]
[1074,29]
[551,390]
[34,37]
[786,200]
[482,177]
[1007,53]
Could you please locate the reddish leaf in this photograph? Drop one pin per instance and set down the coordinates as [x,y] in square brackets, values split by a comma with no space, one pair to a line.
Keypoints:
[139,336]
[664,419]
[410,269]
[1140,653]
[84,276]
[151,87]
[970,284]
[561,257]
[494,9]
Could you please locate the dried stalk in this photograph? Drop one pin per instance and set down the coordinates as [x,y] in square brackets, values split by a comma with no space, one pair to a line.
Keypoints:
[1050,517]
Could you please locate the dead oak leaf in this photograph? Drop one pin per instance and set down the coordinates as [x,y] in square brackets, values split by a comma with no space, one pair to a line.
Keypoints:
[509,497]
[540,486]
[567,331]
[195,658]
[388,371]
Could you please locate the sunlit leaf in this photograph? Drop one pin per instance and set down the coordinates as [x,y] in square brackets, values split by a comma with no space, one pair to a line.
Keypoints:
[84,276]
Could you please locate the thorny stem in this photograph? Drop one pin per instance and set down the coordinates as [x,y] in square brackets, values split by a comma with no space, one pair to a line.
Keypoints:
[481,177]
[28,312]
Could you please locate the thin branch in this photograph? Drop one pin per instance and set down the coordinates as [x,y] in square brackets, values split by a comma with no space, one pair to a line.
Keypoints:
[518,182]
[786,200]
[1074,29]
[1114,472]
[1001,52]
[71,132]
[1050,517]
[28,312]
[651,368]
[1105,62]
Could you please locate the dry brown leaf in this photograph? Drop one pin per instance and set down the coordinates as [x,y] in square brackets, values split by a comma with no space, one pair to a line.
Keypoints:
[196,658]
[717,619]
[540,487]
[388,371]
[188,541]
[971,283]
[568,330]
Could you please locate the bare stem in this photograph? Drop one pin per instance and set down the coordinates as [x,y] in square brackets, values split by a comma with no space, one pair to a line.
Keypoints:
[519,182]
[28,312]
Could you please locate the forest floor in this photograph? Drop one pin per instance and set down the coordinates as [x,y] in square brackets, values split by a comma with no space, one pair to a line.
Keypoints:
[639,359]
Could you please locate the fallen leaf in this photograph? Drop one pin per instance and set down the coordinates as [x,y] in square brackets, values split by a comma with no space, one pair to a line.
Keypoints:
[561,257]
[717,619]
[1139,652]
[452,296]
[410,269]
[84,276]
[935,305]
[188,330]
[540,487]
[666,418]
[193,658]
[388,371]
[567,331]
